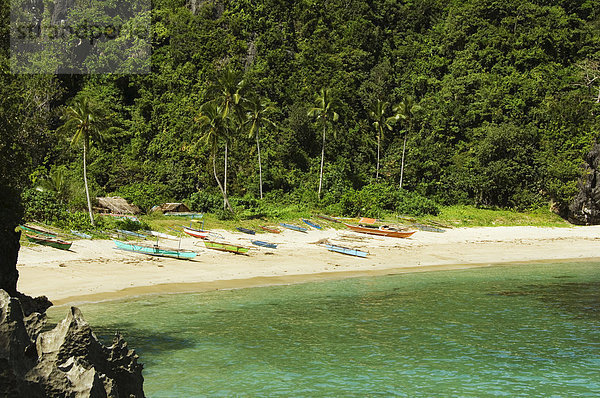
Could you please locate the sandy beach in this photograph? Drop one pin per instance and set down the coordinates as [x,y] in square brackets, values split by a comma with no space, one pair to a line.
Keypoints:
[94,270]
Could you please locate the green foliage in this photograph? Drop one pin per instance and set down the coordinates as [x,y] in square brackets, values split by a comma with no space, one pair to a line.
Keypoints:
[145,195]
[130,225]
[205,202]
[42,206]
[80,221]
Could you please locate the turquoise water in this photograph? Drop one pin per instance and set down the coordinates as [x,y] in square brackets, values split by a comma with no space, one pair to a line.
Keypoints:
[523,330]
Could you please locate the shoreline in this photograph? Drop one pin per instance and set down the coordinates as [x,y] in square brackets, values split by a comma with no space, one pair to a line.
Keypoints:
[93,271]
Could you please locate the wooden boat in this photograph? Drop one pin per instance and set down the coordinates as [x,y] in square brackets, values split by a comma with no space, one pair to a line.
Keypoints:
[226,247]
[264,244]
[346,250]
[37,230]
[293,227]
[155,250]
[48,241]
[163,235]
[81,234]
[381,231]
[312,224]
[270,229]
[196,233]
[131,233]
[428,228]
[323,217]
[246,230]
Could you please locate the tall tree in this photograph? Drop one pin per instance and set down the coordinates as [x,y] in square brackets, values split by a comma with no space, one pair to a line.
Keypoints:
[258,111]
[324,112]
[380,122]
[86,120]
[405,111]
[212,125]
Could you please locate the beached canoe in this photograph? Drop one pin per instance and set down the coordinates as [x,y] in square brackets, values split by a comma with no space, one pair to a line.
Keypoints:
[163,235]
[381,231]
[37,231]
[312,224]
[48,241]
[196,233]
[226,247]
[246,230]
[293,227]
[264,244]
[346,250]
[270,229]
[328,218]
[81,234]
[155,250]
[131,233]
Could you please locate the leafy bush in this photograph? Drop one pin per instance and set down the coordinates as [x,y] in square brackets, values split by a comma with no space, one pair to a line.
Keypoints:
[131,225]
[80,221]
[249,207]
[205,202]
[42,206]
[414,204]
[145,195]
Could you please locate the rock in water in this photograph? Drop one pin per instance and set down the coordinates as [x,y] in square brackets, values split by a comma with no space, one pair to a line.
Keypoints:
[67,361]
[585,207]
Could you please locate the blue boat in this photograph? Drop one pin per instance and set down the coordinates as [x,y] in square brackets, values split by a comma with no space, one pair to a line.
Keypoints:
[264,244]
[312,224]
[131,233]
[155,250]
[293,227]
[81,234]
[346,250]
[246,230]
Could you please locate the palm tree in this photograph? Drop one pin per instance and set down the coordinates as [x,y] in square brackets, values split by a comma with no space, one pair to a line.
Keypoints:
[406,111]
[86,119]
[257,116]
[324,112]
[213,128]
[380,121]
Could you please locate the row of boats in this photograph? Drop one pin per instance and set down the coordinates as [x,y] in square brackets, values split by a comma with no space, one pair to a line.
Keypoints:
[214,241]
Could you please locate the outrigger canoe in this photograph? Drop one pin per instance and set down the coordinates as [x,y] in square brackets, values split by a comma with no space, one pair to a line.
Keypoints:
[264,244]
[312,224]
[155,250]
[381,231]
[346,250]
[47,241]
[270,229]
[323,217]
[196,233]
[226,247]
[246,230]
[293,227]
[37,231]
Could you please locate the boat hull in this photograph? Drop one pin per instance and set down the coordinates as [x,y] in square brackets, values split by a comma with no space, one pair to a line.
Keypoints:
[346,250]
[52,242]
[155,250]
[196,233]
[380,231]
[246,230]
[311,224]
[293,227]
[264,244]
[226,247]
[268,229]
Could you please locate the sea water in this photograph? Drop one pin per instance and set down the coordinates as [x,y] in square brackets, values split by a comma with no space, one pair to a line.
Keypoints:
[519,330]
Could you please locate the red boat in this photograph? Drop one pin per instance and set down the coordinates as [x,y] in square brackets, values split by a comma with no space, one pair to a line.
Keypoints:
[196,233]
[381,231]
[270,229]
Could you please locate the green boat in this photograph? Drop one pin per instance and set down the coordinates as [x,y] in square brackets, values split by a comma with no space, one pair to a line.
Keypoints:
[155,250]
[226,247]
[47,241]
[37,231]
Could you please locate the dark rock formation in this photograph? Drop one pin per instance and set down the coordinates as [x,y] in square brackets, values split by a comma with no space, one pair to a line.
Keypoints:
[67,361]
[585,207]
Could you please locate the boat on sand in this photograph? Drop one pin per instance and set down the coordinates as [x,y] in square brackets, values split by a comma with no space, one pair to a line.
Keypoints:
[346,250]
[155,250]
[48,241]
[381,231]
[226,247]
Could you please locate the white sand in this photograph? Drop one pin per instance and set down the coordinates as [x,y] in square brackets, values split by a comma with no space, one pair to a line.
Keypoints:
[94,270]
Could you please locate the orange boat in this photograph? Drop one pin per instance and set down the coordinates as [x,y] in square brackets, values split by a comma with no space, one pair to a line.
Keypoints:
[381,231]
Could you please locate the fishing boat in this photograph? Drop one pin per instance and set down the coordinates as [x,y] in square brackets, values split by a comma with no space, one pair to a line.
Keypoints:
[81,234]
[155,250]
[226,247]
[264,244]
[381,231]
[37,230]
[312,224]
[346,250]
[270,229]
[163,235]
[48,241]
[131,233]
[293,227]
[196,233]
[327,218]
[246,230]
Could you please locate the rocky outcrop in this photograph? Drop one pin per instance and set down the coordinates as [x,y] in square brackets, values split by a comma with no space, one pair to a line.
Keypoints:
[67,361]
[585,207]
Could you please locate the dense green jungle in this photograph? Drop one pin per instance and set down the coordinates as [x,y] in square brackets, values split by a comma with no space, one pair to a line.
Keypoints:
[353,106]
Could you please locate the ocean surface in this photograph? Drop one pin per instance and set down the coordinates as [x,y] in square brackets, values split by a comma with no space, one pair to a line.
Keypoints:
[518,330]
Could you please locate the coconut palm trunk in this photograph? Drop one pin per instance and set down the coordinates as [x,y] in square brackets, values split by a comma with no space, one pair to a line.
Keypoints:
[225,200]
[87,191]
[378,150]
[259,167]
[322,161]
[402,164]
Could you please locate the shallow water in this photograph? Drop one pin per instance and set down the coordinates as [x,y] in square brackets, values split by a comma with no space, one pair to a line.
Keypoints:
[519,330]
